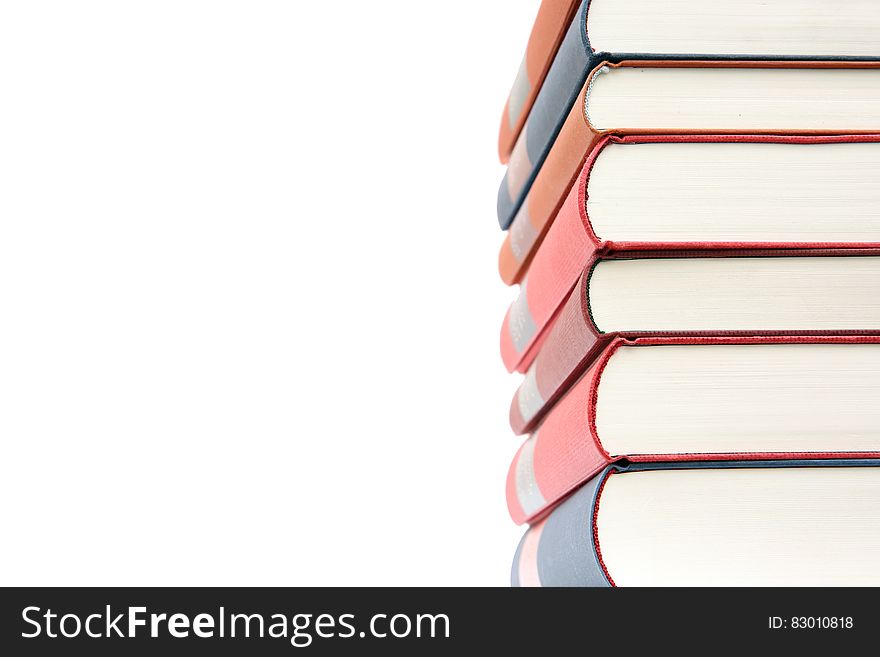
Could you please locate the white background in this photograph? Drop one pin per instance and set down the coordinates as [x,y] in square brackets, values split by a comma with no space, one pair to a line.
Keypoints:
[249,307]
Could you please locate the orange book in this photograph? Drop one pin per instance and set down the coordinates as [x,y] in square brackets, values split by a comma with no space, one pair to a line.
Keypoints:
[553,19]
[691,97]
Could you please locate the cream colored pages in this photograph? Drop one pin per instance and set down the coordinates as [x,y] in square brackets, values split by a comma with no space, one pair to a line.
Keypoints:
[754,192]
[736,27]
[682,399]
[645,98]
[748,527]
[736,294]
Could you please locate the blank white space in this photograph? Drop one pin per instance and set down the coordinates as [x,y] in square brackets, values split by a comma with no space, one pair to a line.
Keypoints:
[249,304]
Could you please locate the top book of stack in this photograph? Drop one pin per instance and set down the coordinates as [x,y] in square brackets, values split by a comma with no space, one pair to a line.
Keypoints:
[646,34]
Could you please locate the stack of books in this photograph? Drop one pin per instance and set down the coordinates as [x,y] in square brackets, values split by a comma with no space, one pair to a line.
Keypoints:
[692,207]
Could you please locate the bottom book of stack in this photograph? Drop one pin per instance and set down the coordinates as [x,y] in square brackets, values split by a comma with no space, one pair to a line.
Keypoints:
[712,523]
[682,461]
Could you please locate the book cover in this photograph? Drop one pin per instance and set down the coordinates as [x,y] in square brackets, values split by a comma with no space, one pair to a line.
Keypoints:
[551,23]
[573,342]
[548,187]
[579,544]
[577,56]
[572,242]
[568,447]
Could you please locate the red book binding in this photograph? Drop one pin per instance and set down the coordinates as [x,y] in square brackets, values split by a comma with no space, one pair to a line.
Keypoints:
[571,244]
[573,343]
[566,450]
[548,30]
[578,138]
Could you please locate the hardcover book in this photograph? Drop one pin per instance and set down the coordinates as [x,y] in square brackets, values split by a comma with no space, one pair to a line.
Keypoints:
[782,523]
[699,192]
[680,399]
[661,97]
[613,31]
[786,293]
[551,23]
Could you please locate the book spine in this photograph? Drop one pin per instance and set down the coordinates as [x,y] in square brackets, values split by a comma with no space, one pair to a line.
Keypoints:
[561,550]
[561,454]
[539,210]
[547,194]
[554,271]
[571,241]
[552,104]
[570,346]
[566,450]
[564,547]
[524,571]
[550,26]
[573,343]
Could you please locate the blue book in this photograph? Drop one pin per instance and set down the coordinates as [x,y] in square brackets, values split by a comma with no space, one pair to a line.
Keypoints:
[712,523]
[620,30]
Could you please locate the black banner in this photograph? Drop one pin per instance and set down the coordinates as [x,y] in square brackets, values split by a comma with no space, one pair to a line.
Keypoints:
[336,621]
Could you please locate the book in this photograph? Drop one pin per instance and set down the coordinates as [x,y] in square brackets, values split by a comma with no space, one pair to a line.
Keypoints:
[687,97]
[611,31]
[668,399]
[689,192]
[783,523]
[630,295]
[551,23]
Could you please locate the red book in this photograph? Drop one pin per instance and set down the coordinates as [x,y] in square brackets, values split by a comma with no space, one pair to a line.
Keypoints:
[676,399]
[551,23]
[663,97]
[698,294]
[791,193]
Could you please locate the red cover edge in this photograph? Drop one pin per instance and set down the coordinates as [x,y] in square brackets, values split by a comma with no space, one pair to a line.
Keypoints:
[570,242]
[566,450]
[548,30]
[552,275]
[595,533]
[572,344]
[561,454]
